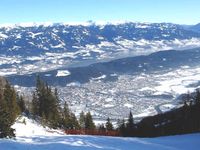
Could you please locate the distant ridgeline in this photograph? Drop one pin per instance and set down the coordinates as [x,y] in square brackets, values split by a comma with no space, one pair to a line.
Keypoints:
[37,39]
[170,59]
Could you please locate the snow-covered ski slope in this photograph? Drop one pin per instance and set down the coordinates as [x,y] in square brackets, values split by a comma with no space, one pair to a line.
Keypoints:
[32,136]
[71,142]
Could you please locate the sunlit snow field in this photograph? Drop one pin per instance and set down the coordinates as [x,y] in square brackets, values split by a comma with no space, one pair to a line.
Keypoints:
[32,136]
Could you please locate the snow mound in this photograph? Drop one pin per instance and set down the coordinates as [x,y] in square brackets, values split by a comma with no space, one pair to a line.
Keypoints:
[25,127]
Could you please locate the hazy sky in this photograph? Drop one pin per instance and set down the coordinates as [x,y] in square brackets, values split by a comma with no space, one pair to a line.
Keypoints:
[175,11]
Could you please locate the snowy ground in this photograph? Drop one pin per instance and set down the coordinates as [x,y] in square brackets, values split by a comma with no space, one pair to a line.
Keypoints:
[183,142]
[32,136]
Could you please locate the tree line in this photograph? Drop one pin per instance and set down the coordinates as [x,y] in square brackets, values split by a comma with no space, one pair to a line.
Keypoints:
[11,105]
[184,119]
[47,108]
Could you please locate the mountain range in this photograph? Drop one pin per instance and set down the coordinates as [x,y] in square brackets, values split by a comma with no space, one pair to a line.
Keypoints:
[107,69]
[39,38]
[34,48]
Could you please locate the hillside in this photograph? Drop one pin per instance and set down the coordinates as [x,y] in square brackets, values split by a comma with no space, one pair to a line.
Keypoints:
[146,85]
[34,137]
[195,28]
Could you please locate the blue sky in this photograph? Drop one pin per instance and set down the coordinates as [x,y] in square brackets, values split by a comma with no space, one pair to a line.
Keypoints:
[175,11]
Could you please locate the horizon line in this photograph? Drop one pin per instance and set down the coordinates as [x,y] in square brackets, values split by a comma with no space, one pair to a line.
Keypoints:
[84,23]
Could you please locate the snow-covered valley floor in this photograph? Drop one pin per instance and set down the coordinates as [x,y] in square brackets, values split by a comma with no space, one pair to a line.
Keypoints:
[32,136]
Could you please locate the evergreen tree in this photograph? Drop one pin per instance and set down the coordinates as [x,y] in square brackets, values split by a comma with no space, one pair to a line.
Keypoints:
[82,120]
[9,110]
[66,117]
[45,104]
[53,111]
[21,103]
[119,123]
[109,125]
[74,122]
[35,105]
[40,93]
[197,97]
[10,98]
[102,127]
[69,120]
[130,125]
[89,124]
[57,100]
[122,127]
[5,123]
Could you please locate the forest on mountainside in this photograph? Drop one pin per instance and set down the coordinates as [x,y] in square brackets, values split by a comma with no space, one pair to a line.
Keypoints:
[46,108]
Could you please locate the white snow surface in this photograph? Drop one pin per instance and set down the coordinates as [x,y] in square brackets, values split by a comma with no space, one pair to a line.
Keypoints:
[25,127]
[70,142]
[32,136]
[100,77]
[62,73]
[179,83]
[3,36]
